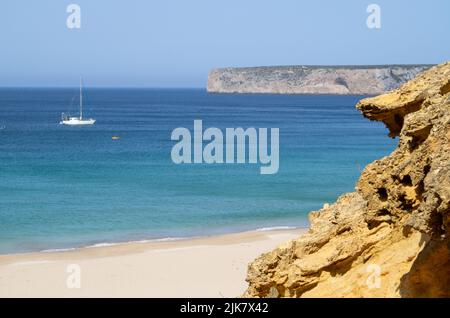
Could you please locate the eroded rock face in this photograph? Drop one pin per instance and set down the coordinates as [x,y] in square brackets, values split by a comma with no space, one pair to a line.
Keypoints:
[390,238]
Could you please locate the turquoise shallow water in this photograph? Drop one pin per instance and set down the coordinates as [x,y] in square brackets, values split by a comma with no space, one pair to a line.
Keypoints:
[64,187]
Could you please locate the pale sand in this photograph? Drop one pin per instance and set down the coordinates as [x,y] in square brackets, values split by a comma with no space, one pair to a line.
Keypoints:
[203,267]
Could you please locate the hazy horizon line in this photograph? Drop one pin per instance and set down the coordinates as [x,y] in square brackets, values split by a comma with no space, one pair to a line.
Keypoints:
[102,87]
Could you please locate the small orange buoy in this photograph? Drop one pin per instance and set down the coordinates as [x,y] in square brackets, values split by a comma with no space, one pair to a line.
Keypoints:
[115,138]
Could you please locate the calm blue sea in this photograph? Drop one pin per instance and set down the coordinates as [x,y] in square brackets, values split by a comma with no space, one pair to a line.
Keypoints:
[63,187]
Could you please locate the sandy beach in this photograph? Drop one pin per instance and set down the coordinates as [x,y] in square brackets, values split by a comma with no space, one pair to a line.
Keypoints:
[202,267]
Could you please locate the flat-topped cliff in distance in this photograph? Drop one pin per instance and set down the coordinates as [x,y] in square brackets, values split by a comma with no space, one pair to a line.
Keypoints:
[342,80]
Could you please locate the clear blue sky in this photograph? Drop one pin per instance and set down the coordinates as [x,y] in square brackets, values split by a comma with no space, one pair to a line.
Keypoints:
[173,43]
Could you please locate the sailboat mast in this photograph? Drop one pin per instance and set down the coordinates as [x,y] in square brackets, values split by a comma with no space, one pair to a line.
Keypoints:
[81,101]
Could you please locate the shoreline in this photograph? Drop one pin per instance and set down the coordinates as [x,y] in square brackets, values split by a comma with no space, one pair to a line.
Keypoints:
[151,240]
[211,266]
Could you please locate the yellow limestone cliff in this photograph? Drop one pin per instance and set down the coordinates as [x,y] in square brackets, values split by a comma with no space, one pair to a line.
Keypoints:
[389,238]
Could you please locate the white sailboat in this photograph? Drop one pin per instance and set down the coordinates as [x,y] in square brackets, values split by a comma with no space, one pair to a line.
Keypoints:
[75,121]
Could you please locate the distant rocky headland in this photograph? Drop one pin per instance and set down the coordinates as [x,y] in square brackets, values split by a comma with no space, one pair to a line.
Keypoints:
[342,80]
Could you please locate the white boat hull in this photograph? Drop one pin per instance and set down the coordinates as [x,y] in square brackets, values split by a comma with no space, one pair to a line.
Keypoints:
[77,122]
